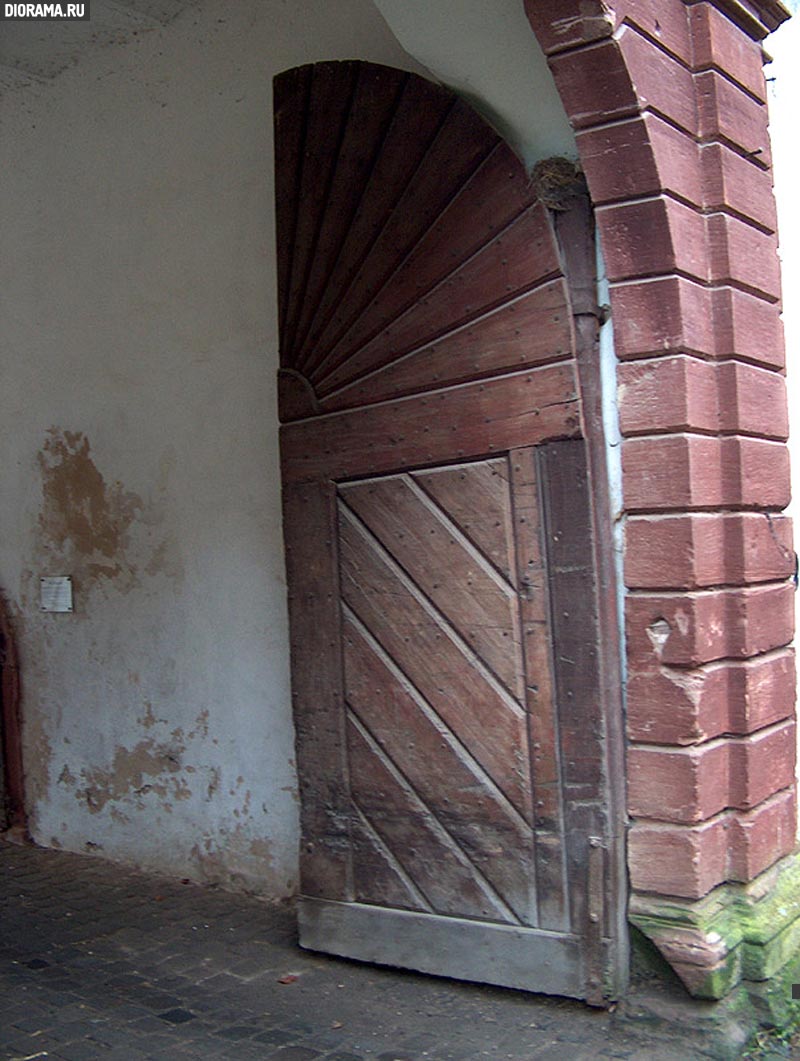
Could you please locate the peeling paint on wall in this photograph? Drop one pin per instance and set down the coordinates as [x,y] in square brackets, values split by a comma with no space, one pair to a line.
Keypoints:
[81,514]
[97,531]
[135,773]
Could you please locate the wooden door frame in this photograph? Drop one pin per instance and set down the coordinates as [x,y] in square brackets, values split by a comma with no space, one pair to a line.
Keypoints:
[575,233]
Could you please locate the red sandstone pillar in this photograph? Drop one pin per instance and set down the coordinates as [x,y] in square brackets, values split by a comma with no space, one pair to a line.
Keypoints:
[668,103]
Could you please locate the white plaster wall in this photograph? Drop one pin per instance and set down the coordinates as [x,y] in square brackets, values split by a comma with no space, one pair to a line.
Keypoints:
[137,413]
[139,438]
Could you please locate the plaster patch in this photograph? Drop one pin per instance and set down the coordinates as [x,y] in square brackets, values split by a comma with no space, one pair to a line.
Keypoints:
[98,531]
[66,777]
[128,778]
[238,861]
[148,719]
[38,755]
[83,517]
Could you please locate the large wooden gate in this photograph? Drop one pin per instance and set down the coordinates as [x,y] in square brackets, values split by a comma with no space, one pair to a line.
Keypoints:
[439,530]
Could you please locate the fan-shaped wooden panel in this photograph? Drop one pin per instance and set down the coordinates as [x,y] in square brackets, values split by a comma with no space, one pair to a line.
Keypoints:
[411,250]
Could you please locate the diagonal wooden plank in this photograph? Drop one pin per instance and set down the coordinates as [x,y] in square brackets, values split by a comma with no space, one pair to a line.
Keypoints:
[425,850]
[448,674]
[463,799]
[532,329]
[378,877]
[476,497]
[446,568]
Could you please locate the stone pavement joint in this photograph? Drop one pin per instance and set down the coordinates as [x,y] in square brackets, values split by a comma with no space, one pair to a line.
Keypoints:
[101,961]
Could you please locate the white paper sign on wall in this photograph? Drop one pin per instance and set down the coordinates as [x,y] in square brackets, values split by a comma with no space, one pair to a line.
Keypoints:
[55,593]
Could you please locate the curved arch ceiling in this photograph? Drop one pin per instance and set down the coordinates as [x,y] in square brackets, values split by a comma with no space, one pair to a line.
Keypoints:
[486,51]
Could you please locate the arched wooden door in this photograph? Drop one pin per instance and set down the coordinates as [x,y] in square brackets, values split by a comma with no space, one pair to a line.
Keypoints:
[443,609]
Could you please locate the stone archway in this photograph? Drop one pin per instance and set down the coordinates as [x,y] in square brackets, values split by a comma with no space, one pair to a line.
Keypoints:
[668,103]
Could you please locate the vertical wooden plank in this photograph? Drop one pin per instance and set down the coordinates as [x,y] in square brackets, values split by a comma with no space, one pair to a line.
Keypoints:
[570,557]
[537,641]
[317,689]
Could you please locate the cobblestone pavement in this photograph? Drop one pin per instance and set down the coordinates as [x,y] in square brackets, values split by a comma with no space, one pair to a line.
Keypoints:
[97,961]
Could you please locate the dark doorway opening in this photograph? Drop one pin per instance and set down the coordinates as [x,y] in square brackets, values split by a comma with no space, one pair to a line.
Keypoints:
[12,803]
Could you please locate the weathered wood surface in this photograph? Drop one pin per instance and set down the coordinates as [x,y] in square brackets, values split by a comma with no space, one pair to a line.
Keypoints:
[507,955]
[479,605]
[512,262]
[449,881]
[472,420]
[471,220]
[575,659]
[450,676]
[540,699]
[442,557]
[404,225]
[309,513]
[530,330]
[477,498]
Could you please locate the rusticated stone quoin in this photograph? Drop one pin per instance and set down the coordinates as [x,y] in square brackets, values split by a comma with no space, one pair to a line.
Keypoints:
[668,101]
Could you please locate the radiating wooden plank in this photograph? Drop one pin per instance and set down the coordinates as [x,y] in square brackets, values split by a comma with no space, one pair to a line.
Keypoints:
[473,217]
[530,330]
[408,829]
[330,96]
[515,261]
[374,104]
[314,622]
[462,143]
[422,109]
[456,423]
[523,958]
[377,875]
[290,105]
[451,678]
[444,566]
[551,868]
[477,498]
